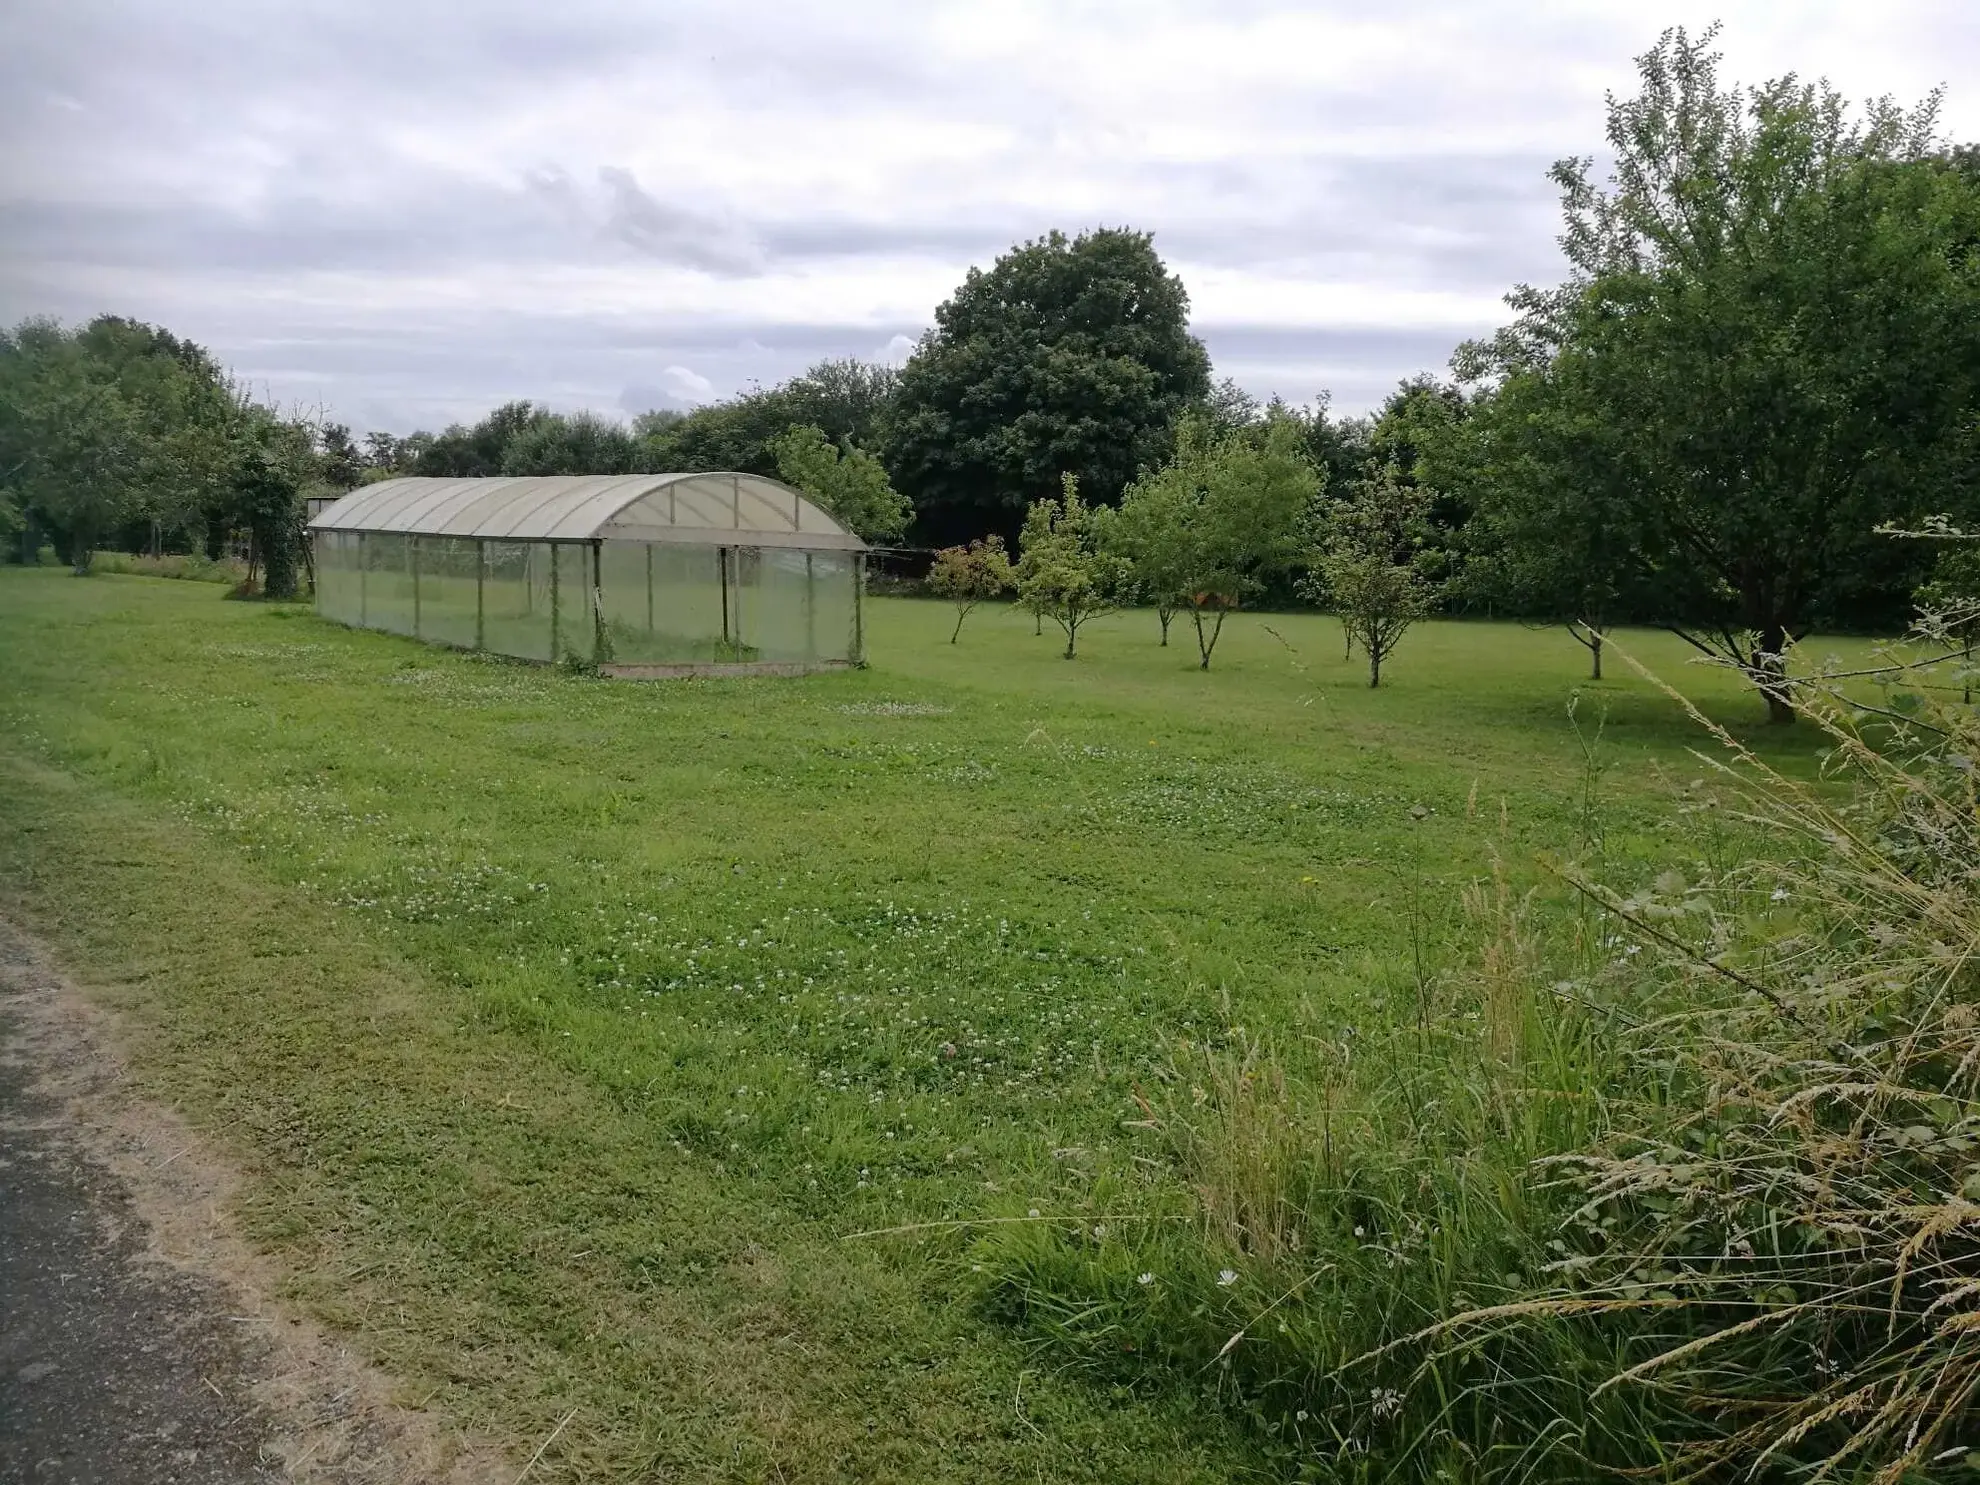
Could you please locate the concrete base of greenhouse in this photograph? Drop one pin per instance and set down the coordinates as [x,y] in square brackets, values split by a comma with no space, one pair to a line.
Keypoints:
[722,668]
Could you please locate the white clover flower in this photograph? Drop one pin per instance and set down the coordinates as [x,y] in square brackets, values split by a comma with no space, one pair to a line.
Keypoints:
[1226,1278]
[1144,1280]
[1779,894]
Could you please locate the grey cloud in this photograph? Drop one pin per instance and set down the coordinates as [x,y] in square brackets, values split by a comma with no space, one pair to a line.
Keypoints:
[675,234]
[262,184]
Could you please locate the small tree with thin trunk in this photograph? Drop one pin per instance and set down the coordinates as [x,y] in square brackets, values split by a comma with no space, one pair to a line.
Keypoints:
[1367,568]
[966,576]
[1063,573]
[1207,529]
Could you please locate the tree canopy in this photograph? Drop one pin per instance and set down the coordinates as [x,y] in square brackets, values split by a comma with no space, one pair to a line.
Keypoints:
[114,423]
[1206,529]
[1067,355]
[1370,560]
[1769,345]
[1065,572]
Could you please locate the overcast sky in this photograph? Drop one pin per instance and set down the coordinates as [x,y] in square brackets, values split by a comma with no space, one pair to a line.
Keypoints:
[405,212]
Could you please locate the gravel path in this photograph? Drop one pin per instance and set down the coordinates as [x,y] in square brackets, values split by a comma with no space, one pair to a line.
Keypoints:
[113,1367]
[140,1342]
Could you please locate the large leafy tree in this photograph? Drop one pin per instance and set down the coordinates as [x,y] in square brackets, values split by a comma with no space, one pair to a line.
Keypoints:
[1414,421]
[77,450]
[1206,530]
[1068,355]
[1548,532]
[113,427]
[1769,344]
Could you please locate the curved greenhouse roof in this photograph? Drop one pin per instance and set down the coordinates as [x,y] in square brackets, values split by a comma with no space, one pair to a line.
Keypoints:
[719,509]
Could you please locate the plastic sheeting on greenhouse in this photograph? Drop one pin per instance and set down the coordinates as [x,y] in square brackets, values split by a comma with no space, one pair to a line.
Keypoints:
[640,574]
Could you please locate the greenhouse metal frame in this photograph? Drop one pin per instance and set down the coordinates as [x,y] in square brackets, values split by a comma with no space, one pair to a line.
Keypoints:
[642,575]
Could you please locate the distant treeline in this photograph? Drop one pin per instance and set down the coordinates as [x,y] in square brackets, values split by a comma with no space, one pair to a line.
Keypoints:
[1767,349]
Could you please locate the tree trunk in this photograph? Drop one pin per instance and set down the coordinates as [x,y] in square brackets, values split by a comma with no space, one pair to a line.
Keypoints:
[1347,637]
[1204,647]
[961,614]
[1770,674]
[1038,621]
[1165,615]
[1374,669]
[1595,655]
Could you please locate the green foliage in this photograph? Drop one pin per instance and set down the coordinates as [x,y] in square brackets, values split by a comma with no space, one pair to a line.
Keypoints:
[1368,565]
[267,498]
[1800,1213]
[1418,420]
[1769,345]
[1206,530]
[846,399]
[340,465]
[480,450]
[182,566]
[967,576]
[569,443]
[1065,572]
[13,525]
[1065,355]
[849,483]
[110,424]
[1948,602]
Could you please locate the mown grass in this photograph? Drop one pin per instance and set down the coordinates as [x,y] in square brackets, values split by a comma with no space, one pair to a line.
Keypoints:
[573,1029]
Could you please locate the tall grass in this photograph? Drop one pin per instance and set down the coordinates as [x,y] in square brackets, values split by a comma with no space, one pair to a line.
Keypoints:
[190,566]
[1678,1179]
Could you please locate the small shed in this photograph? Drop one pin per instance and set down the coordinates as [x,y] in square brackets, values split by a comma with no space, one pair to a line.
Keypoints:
[640,574]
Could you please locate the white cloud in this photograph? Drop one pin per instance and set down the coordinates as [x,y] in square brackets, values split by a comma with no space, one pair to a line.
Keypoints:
[405,215]
[686,386]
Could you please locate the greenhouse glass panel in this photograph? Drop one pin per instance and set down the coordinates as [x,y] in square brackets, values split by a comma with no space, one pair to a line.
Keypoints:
[348,582]
[515,600]
[388,584]
[448,567]
[575,633]
[688,605]
[776,624]
[336,583]
[834,605]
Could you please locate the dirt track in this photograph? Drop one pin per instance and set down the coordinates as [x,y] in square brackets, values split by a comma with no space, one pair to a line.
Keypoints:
[139,1337]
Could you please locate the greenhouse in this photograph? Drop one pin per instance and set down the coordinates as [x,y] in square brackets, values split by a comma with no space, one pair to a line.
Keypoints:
[640,574]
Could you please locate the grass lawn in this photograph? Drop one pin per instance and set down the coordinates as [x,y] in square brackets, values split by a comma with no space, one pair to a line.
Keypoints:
[571,1030]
